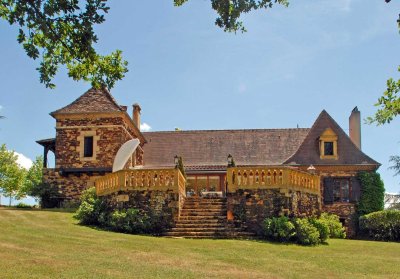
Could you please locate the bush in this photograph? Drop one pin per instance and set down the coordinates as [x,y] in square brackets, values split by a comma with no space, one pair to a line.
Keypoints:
[381,225]
[48,195]
[279,229]
[23,205]
[306,233]
[322,228]
[90,209]
[336,229]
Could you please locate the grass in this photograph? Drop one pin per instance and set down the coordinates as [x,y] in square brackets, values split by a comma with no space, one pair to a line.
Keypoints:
[47,244]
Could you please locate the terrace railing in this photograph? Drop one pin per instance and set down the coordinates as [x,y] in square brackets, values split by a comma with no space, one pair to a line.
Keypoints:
[272,177]
[146,179]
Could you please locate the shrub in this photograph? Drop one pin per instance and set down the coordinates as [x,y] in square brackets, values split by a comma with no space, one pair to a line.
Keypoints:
[90,209]
[381,225]
[129,220]
[306,233]
[322,228]
[23,205]
[279,229]
[336,229]
[372,193]
[48,195]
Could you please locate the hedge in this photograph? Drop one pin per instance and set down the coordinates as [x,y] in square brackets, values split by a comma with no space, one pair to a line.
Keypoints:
[381,225]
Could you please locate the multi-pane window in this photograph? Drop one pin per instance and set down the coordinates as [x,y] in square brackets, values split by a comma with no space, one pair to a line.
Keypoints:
[341,190]
[88,147]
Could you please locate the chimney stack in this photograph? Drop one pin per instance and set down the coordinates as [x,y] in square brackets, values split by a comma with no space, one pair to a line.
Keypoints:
[355,127]
[136,115]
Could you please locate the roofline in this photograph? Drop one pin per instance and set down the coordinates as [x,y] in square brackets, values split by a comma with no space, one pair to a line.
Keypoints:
[226,130]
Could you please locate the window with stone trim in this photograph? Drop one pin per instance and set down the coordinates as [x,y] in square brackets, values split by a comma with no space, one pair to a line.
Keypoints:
[341,189]
[328,142]
[88,147]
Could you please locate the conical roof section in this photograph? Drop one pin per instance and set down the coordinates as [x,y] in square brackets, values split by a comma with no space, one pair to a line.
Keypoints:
[348,153]
[93,100]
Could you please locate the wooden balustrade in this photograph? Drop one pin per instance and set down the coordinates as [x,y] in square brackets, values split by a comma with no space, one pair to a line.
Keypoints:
[146,179]
[272,177]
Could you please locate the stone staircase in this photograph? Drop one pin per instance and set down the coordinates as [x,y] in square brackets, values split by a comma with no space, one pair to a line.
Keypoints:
[205,218]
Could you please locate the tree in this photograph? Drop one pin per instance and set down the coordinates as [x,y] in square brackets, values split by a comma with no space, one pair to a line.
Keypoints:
[372,193]
[396,161]
[34,177]
[12,176]
[60,32]
[229,11]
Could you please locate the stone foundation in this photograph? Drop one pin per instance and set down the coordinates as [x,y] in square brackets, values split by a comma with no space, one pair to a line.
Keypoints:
[69,186]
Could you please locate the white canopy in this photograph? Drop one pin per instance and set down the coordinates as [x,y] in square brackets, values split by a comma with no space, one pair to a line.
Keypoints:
[124,153]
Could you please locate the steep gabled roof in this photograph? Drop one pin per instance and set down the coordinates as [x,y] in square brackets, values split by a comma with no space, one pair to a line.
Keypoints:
[94,100]
[210,148]
[348,153]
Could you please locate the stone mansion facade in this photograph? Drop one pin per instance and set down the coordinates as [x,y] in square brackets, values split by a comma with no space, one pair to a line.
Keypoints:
[298,171]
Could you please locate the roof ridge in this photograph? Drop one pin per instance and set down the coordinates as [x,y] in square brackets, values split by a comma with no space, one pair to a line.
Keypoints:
[226,130]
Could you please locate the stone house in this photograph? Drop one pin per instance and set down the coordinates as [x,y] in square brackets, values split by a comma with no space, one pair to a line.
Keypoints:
[257,172]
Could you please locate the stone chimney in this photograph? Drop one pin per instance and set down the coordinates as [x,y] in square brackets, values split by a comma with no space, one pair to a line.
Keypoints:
[136,115]
[355,127]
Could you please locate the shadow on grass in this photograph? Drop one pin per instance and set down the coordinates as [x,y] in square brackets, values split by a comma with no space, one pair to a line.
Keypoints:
[58,210]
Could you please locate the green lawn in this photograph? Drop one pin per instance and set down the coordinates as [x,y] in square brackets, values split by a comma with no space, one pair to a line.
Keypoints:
[46,244]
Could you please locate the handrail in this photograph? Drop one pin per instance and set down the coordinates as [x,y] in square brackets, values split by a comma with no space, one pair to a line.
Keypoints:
[148,179]
[270,177]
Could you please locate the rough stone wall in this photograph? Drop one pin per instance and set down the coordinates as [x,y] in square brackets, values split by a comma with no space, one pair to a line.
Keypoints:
[346,212]
[71,186]
[251,207]
[109,135]
[160,202]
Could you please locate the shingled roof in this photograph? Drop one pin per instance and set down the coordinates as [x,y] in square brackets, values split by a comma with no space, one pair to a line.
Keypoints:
[94,100]
[209,149]
[348,153]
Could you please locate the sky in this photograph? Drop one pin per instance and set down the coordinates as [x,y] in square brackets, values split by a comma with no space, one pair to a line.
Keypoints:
[187,73]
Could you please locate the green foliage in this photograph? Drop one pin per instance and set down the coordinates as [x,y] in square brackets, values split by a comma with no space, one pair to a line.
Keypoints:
[229,12]
[48,195]
[279,229]
[23,205]
[91,207]
[60,32]
[322,227]
[336,229]
[12,176]
[388,103]
[372,193]
[306,233]
[381,225]
[34,176]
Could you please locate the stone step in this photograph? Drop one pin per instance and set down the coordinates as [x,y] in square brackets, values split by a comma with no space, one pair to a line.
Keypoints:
[203,213]
[202,217]
[189,230]
[200,225]
[201,221]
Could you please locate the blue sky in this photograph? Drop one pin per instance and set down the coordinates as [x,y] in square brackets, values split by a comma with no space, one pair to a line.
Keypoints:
[187,73]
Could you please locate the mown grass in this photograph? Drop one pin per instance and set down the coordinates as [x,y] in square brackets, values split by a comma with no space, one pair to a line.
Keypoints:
[46,244]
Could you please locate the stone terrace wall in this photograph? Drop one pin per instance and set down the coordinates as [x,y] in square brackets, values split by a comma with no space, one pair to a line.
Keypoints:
[250,207]
[160,202]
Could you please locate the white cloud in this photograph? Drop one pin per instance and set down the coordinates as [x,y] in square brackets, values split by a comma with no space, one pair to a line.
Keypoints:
[23,161]
[1,107]
[144,127]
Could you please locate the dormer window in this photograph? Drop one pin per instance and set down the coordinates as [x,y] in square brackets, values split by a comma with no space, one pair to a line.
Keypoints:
[328,145]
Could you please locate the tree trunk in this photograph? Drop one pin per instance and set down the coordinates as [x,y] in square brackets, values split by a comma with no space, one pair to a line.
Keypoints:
[10,199]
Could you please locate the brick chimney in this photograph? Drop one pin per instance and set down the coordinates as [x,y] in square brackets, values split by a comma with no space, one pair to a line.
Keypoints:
[355,127]
[136,115]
